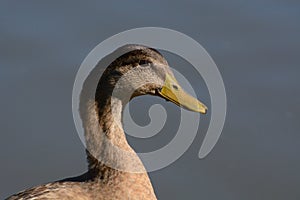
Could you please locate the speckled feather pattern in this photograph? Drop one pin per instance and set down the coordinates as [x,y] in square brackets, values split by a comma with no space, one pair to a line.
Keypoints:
[122,186]
[100,124]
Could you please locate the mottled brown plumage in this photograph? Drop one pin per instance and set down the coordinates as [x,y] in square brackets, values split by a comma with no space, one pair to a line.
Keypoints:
[114,169]
[102,181]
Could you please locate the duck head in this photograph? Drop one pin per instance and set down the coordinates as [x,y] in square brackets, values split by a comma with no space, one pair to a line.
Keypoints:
[141,71]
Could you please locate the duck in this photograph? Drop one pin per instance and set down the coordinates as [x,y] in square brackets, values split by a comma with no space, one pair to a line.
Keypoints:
[114,169]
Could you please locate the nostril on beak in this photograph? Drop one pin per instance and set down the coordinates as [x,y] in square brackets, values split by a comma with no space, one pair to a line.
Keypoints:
[175,87]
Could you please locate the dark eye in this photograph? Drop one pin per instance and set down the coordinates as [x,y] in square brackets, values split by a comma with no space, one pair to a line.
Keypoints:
[144,62]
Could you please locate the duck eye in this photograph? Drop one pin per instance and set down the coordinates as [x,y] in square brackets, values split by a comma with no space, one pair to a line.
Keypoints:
[144,62]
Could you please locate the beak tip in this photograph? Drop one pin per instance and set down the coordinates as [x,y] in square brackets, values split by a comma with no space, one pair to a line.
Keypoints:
[204,111]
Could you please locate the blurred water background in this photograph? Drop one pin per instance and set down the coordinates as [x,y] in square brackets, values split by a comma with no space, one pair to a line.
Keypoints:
[254,43]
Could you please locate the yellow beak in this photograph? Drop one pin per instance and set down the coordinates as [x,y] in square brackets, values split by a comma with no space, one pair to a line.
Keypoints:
[173,92]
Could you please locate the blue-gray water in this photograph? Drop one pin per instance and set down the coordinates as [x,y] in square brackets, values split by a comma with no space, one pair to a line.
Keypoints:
[254,43]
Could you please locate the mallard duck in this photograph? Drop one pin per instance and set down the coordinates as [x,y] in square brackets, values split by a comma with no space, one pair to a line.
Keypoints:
[110,173]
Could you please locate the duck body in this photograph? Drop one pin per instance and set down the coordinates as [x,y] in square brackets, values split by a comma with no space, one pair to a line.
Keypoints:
[122,186]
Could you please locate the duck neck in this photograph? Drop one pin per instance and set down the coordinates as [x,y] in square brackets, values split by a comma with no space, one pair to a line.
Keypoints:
[107,148]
